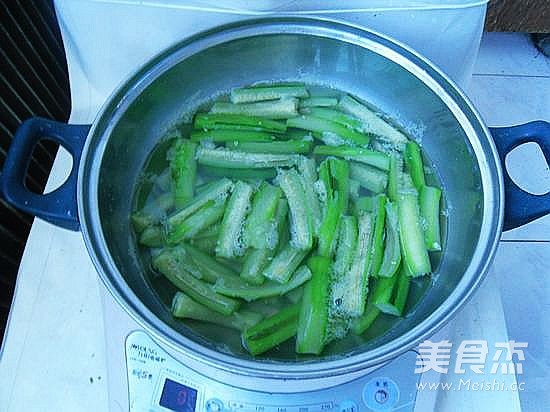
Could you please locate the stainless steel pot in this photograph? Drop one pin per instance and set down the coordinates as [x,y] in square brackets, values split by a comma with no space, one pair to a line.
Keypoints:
[98,197]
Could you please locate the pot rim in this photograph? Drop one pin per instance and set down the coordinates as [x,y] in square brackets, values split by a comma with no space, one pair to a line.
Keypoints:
[430,75]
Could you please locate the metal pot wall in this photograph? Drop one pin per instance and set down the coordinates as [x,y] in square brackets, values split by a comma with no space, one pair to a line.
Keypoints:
[109,156]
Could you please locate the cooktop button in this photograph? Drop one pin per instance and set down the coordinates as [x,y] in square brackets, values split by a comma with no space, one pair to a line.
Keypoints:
[214,405]
[381,394]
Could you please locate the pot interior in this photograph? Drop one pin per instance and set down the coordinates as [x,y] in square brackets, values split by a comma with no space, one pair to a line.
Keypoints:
[180,81]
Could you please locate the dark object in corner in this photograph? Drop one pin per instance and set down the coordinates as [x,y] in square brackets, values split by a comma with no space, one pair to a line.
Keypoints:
[542,41]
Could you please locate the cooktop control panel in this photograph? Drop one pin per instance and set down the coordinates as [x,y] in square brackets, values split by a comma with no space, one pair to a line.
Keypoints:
[158,382]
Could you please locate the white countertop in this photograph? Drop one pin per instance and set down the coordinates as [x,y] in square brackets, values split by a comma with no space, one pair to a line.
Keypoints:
[54,353]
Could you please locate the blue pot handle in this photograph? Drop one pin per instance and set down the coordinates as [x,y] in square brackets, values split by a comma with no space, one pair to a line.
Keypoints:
[521,207]
[58,207]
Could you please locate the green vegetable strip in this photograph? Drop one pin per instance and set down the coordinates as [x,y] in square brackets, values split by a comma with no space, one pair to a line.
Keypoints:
[413,160]
[313,319]
[152,236]
[402,291]
[347,241]
[377,245]
[364,204]
[329,226]
[183,167]
[230,242]
[233,159]
[256,94]
[206,244]
[206,216]
[396,170]
[383,291]
[319,102]
[291,146]
[372,123]
[202,292]
[179,256]
[370,178]
[369,157]
[300,216]
[392,250]
[335,116]
[298,134]
[340,172]
[267,290]
[363,322]
[260,231]
[230,135]
[213,230]
[214,121]
[308,175]
[254,174]
[277,109]
[413,247]
[430,198]
[283,265]
[324,126]
[210,268]
[351,289]
[255,261]
[272,331]
[216,191]
[354,188]
[186,308]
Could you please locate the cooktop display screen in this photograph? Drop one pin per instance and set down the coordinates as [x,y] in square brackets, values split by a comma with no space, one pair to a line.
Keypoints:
[178,397]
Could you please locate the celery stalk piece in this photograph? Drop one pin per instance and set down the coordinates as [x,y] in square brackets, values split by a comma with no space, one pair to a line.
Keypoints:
[334,175]
[330,130]
[372,123]
[345,249]
[152,236]
[233,159]
[271,331]
[230,241]
[216,191]
[260,231]
[285,147]
[243,174]
[402,291]
[200,291]
[186,308]
[394,175]
[152,213]
[206,216]
[300,216]
[313,318]
[239,289]
[354,188]
[415,167]
[210,268]
[335,116]
[366,156]
[430,198]
[383,292]
[183,167]
[369,177]
[257,94]
[392,249]
[413,246]
[257,259]
[364,204]
[284,264]
[276,109]
[205,244]
[350,291]
[319,101]
[210,231]
[377,244]
[217,121]
[308,174]
[230,135]
[363,322]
